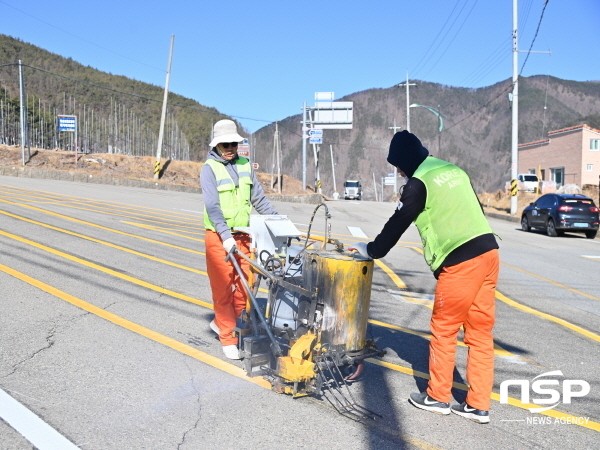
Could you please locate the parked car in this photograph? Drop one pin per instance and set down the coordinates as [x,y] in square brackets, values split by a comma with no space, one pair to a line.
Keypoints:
[528,182]
[557,213]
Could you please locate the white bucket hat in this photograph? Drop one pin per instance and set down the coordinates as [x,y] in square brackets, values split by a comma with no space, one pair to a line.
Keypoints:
[225,131]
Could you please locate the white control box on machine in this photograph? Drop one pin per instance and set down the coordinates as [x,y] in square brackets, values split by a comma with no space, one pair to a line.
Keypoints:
[270,233]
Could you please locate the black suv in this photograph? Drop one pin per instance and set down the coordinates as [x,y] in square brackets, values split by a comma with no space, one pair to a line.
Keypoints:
[557,213]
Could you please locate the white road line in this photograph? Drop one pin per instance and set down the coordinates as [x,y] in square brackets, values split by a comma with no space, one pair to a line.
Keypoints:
[34,429]
[357,232]
[189,210]
[591,256]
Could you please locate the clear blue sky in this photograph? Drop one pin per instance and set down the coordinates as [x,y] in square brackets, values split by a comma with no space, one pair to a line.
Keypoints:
[262,59]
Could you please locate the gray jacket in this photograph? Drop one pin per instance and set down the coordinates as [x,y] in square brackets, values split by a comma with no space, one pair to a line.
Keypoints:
[208,182]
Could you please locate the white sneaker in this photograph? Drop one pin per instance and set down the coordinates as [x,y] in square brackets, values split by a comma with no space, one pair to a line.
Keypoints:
[231,351]
[214,327]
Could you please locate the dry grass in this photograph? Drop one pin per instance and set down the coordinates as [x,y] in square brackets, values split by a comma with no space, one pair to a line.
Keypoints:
[186,173]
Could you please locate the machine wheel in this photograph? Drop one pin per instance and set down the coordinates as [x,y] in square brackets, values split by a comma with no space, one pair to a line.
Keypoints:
[591,234]
[354,370]
[525,223]
[551,229]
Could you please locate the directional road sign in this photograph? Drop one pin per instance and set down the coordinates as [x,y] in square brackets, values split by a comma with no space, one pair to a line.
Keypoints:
[315,140]
[315,133]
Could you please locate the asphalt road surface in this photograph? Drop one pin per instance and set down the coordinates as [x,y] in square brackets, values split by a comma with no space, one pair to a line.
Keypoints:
[105,344]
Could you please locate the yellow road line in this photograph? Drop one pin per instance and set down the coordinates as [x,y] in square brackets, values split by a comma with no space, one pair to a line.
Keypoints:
[164,230]
[395,278]
[109,271]
[498,351]
[156,227]
[164,340]
[552,282]
[463,387]
[101,227]
[143,331]
[139,216]
[593,258]
[549,317]
[99,241]
[106,202]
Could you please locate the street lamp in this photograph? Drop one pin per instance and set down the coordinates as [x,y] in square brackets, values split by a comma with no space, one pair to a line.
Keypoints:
[441,123]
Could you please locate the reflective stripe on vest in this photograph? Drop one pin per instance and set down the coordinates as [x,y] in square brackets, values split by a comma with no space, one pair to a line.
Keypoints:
[234,201]
[452,214]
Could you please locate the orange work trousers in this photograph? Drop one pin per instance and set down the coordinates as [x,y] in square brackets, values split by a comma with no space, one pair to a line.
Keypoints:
[229,295]
[465,296]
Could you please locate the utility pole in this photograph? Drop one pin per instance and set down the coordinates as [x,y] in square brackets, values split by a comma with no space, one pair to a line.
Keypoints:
[276,151]
[407,84]
[375,186]
[22,113]
[395,128]
[332,167]
[515,108]
[164,112]
[304,130]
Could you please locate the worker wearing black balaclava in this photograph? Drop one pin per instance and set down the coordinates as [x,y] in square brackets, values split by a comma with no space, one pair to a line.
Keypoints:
[461,250]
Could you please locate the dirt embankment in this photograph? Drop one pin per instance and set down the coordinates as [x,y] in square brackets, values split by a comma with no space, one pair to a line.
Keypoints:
[184,173]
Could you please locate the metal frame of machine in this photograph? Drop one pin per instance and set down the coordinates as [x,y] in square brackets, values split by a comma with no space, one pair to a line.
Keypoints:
[309,338]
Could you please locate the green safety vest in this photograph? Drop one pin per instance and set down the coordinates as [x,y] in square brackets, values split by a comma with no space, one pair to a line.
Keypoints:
[234,201]
[452,214]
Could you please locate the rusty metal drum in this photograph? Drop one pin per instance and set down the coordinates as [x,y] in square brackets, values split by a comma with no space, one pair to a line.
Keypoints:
[343,282]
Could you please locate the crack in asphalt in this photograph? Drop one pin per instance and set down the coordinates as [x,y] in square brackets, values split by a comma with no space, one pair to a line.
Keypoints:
[188,431]
[49,343]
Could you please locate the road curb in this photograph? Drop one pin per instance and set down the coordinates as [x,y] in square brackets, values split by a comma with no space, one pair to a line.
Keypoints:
[503,217]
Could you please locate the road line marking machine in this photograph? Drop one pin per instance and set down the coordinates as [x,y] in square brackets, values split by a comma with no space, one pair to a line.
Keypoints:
[309,336]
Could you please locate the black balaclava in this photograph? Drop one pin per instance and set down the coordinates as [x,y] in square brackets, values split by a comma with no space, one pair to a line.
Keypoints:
[406,152]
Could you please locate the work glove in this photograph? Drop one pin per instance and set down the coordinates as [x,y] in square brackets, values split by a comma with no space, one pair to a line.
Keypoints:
[228,244]
[360,247]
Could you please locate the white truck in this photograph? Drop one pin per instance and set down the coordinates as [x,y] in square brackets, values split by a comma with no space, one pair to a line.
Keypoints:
[352,190]
[528,182]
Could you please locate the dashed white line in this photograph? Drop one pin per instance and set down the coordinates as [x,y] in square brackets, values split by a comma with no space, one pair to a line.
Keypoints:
[357,232]
[34,429]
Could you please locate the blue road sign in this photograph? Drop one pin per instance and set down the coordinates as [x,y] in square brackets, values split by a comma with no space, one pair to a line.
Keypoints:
[315,140]
[315,133]
[67,123]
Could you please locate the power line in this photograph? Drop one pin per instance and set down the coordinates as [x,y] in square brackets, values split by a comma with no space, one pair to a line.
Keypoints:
[442,40]
[197,108]
[416,69]
[534,37]
[484,65]
[79,37]
[456,34]
[522,67]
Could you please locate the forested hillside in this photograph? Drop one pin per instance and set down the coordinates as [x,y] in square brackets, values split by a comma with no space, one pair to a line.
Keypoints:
[115,113]
[120,115]
[476,134]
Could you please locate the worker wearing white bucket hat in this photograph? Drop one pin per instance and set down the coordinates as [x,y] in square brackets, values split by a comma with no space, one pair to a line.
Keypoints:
[230,188]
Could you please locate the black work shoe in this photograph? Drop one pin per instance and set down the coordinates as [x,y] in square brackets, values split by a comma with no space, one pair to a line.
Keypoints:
[423,401]
[474,414]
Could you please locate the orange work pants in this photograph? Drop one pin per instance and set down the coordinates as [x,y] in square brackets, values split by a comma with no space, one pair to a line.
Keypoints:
[229,295]
[465,296]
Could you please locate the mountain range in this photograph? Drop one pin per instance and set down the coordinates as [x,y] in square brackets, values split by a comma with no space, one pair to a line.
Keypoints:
[476,133]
